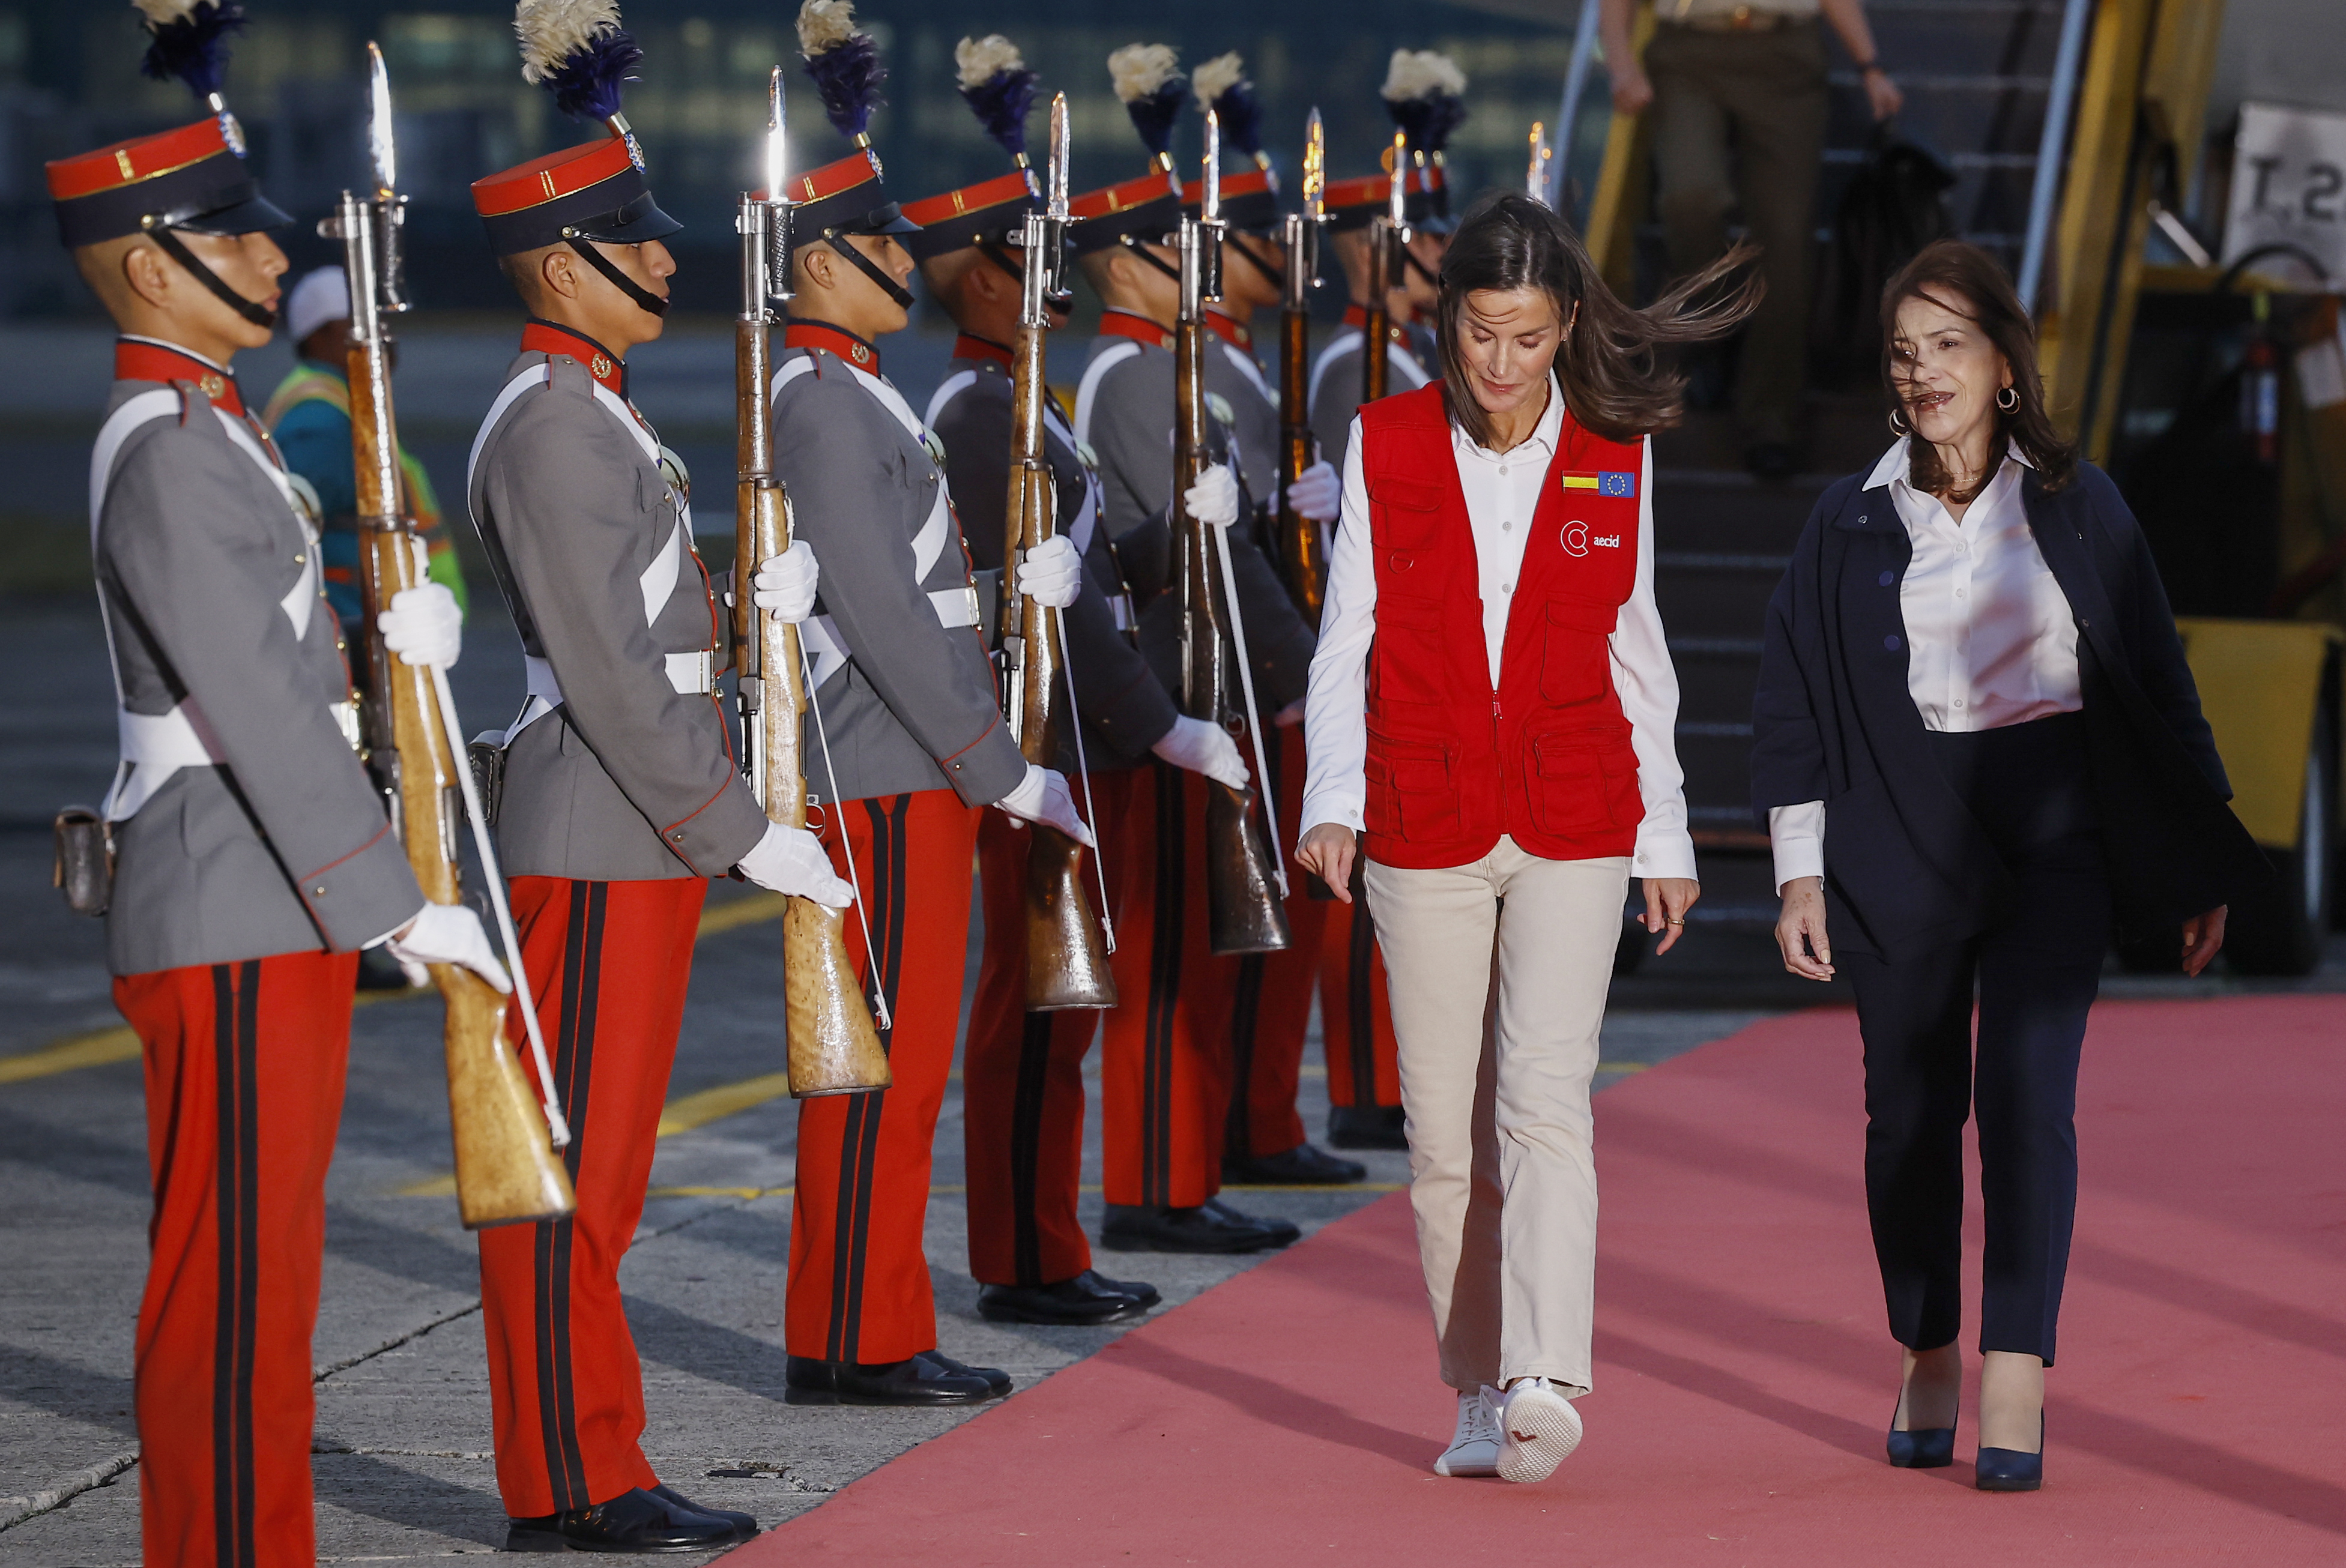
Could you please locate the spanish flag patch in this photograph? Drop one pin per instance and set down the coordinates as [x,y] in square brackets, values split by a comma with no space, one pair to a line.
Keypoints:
[1623,484]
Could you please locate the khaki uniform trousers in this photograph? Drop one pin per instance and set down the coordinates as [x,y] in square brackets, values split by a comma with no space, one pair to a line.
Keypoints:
[1498,972]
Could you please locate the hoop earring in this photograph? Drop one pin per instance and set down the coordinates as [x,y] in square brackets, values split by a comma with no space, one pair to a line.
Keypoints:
[2011,393]
[1898,425]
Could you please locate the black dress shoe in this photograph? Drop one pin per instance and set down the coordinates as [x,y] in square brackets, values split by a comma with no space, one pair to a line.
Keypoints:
[1140,1290]
[997,1380]
[1283,1231]
[1083,1300]
[634,1521]
[744,1525]
[1303,1165]
[915,1380]
[1366,1128]
[1209,1228]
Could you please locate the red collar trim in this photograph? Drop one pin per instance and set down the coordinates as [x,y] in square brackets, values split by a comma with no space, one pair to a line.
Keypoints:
[546,338]
[137,360]
[1230,330]
[966,347]
[1139,328]
[1357,318]
[846,344]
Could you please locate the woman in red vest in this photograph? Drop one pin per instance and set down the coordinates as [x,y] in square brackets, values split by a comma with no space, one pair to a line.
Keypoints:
[1493,704]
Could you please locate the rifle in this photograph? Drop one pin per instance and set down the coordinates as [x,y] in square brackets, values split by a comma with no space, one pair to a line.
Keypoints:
[1244,879]
[506,1169]
[1303,554]
[1387,233]
[832,1047]
[1067,946]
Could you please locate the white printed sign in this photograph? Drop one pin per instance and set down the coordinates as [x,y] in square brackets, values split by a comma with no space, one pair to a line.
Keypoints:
[2289,184]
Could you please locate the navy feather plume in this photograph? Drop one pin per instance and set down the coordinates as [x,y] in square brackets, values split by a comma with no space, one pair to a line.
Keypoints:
[1154,114]
[843,62]
[590,82]
[1240,113]
[1449,113]
[1001,103]
[193,47]
[1413,118]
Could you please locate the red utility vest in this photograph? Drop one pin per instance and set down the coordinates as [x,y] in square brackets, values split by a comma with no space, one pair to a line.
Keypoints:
[1545,757]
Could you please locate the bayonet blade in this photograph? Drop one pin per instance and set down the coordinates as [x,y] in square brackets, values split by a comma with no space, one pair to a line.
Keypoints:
[777,137]
[1397,189]
[1210,207]
[1058,192]
[383,150]
[1535,176]
[1315,168]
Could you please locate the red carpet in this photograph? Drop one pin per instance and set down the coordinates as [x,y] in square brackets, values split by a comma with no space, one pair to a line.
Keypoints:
[1743,1375]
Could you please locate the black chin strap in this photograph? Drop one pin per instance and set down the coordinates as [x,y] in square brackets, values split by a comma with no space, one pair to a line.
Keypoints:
[1130,243]
[1433,279]
[999,254]
[1275,276]
[644,298]
[864,264]
[260,316]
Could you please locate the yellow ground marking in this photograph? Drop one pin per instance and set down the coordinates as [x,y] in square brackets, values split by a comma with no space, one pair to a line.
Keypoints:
[696,1110]
[103,1047]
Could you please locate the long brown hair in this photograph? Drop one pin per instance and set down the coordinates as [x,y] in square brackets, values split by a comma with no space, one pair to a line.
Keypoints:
[1615,379]
[1960,278]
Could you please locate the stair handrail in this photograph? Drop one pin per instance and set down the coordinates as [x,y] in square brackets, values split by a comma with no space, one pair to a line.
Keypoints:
[2068,70]
[1568,117]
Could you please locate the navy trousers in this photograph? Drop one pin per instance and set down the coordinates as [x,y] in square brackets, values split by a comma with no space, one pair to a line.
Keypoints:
[2034,973]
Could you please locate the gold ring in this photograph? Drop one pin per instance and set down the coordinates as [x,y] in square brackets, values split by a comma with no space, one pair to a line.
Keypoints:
[1677,920]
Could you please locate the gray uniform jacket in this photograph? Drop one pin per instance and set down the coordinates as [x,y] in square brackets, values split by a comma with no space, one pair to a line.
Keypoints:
[1123,410]
[1124,709]
[210,584]
[629,778]
[1336,387]
[1233,375]
[911,705]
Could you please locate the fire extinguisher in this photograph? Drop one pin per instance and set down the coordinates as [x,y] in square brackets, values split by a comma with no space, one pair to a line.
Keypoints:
[2260,386]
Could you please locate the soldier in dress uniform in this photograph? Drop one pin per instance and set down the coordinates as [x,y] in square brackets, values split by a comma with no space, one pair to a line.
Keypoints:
[906,748]
[253,858]
[621,798]
[1263,1138]
[1021,1072]
[1166,1057]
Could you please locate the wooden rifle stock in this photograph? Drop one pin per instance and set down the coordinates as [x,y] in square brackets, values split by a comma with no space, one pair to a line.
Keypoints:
[506,1168]
[1303,557]
[1244,911]
[1066,950]
[832,1047]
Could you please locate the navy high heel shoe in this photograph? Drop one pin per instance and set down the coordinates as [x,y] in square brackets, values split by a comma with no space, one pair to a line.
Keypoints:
[1928,1448]
[2009,1470]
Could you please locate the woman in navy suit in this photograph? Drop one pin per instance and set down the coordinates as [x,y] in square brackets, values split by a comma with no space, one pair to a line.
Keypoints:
[1977,747]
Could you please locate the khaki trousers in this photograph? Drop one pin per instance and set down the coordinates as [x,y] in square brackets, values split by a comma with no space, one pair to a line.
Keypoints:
[1498,972]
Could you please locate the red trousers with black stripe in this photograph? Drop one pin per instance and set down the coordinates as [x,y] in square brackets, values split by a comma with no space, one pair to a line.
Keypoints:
[859,1280]
[244,1091]
[607,964]
[1023,1081]
[1165,1052]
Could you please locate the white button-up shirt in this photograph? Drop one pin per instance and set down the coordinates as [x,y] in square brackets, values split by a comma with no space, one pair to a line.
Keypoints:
[1502,491]
[1991,640]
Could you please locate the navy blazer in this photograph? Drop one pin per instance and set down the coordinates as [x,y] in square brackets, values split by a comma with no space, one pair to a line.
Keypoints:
[1906,866]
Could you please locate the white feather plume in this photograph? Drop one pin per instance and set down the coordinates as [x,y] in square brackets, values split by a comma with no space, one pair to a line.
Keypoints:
[980,60]
[163,13]
[1421,73]
[825,25]
[1217,77]
[551,31]
[1139,69]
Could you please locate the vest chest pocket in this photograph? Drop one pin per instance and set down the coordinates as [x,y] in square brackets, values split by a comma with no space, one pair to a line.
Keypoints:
[1406,659]
[1573,653]
[1403,515]
[1581,781]
[1412,794]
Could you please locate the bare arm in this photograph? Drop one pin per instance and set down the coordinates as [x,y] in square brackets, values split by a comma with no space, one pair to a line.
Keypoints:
[1847,18]
[1631,91]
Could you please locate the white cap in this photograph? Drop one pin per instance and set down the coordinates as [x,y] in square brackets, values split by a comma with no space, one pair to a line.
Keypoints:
[320,297]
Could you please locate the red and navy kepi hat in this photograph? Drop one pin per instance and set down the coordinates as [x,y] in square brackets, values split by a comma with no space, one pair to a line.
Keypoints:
[1000,91]
[597,191]
[1146,210]
[1250,200]
[191,178]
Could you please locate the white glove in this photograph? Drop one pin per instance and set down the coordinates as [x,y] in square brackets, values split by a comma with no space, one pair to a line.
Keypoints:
[445,934]
[1203,748]
[1215,497]
[1316,492]
[423,625]
[791,861]
[785,584]
[1042,797]
[1051,574]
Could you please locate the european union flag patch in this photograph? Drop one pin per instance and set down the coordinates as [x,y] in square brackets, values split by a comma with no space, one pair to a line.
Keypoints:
[1619,484]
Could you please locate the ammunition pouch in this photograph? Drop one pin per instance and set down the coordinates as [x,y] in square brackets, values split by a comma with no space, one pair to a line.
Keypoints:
[486,757]
[85,863]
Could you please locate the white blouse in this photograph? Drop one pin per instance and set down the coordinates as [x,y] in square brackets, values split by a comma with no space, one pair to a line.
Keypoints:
[1501,490]
[1991,640]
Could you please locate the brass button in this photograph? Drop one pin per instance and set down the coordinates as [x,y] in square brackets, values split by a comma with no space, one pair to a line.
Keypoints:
[320,890]
[299,560]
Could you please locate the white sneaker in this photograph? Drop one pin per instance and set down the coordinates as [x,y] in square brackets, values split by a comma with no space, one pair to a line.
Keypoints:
[1538,1429]
[1474,1448]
